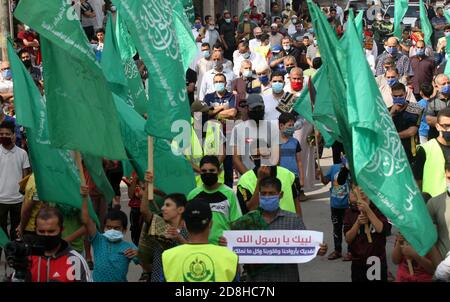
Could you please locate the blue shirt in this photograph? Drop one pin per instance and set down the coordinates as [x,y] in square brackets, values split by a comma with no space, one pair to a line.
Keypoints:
[214,100]
[288,155]
[338,193]
[111,265]
[424,127]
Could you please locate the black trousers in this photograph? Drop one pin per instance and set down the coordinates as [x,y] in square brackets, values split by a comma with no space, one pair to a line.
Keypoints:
[337,148]
[360,271]
[337,218]
[135,225]
[228,170]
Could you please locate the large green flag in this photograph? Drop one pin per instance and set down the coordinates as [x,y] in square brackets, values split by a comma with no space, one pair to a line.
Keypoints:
[380,163]
[447,15]
[81,113]
[57,178]
[188,47]
[331,52]
[359,25]
[123,38]
[153,30]
[95,169]
[318,95]
[173,174]
[189,10]
[122,74]
[425,23]
[3,238]
[400,8]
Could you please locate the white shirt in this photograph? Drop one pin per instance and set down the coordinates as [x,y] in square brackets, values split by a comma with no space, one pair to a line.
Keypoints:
[6,86]
[270,105]
[291,30]
[211,37]
[371,60]
[340,13]
[97,5]
[12,163]
[253,43]
[208,82]
[255,58]
[201,68]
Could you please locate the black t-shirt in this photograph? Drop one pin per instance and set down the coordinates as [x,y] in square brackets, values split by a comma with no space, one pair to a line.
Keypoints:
[421,157]
[191,77]
[228,31]
[409,117]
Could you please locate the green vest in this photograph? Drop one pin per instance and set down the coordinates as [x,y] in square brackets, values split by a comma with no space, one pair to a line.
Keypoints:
[287,178]
[210,147]
[199,263]
[433,180]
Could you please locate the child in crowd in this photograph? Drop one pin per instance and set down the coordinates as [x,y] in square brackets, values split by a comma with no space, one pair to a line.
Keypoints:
[426,91]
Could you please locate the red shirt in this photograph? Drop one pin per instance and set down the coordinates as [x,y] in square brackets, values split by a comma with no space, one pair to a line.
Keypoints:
[360,248]
[420,275]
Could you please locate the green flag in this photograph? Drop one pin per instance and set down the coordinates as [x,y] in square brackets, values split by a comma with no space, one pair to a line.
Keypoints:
[400,8]
[81,113]
[189,10]
[447,15]
[318,94]
[123,38]
[173,174]
[3,238]
[57,178]
[380,163]
[95,169]
[331,53]
[122,75]
[425,23]
[359,24]
[188,47]
[153,30]
[447,51]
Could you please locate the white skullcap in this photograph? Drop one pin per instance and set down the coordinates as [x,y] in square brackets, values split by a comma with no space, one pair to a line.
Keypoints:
[261,67]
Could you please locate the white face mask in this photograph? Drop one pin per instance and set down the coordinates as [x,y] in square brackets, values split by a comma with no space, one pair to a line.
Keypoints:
[113,235]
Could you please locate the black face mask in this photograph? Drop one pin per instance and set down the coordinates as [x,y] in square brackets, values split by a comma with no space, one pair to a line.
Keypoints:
[257,115]
[209,179]
[49,242]
[27,63]
[5,141]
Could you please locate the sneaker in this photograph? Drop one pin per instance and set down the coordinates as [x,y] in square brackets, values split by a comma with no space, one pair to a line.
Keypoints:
[347,257]
[334,255]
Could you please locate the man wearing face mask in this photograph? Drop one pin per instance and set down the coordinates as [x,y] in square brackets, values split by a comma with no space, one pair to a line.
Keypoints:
[291,25]
[401,61]
[246,27]
[275,36]
[256,42]
[227,34]
[263,73]
[431,157]
[296,81]
[34,71]
[290,49]
[243,53]
[6,83]
[14,166]
[60,262]
[203,65]
[212,35]
[247,83]
[437,103]
[386,82]
[207,85]
[423,68]
[406,117]
[270,215]
[222,199]
[439,22]
[312,52]
[272,101]
[276,61]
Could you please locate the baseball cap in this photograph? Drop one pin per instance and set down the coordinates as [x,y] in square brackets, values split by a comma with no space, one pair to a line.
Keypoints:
[254,100]
[197,213]
[198,106]
[277,48]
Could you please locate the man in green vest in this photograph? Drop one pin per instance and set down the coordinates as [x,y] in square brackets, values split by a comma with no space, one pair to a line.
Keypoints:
[198,260]
[432,156]
[222,199]
[248,186]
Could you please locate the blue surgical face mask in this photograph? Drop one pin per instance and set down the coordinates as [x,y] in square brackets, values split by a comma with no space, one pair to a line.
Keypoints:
[247,73]
[277,87]
[219,87]
[445,89]
[420,51]
[399,100]
[197,26]
[392,50]
[7,74]
[113,235]
[264,79]
[206,54]
[391,82]
[269,203]
[246,55]
[289,131]
[446,135]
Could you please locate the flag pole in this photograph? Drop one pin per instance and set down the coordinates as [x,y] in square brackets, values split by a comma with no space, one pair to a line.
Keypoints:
[150,166]
[366,226]
[80,167]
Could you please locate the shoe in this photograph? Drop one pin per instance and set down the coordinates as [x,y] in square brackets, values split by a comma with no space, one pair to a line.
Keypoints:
[347,257]
[145,277]
[302,196]
[334,255]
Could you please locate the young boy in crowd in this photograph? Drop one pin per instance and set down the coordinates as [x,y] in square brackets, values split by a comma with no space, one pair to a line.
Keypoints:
[112,254]
[290,150]
[426,91]
[365,229]
[338,175]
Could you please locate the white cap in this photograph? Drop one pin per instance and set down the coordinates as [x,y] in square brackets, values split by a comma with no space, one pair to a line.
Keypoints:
[261,67]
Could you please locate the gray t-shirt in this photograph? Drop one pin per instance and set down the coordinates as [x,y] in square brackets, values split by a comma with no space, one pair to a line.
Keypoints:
[433,108]
[438,209]
[311,52]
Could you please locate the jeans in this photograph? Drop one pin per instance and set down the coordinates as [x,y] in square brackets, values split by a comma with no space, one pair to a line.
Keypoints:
[337,218]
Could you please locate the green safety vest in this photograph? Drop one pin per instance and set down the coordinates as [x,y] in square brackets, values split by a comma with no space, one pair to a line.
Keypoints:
[287,178]
[211,146]
[434,180]
[199,263]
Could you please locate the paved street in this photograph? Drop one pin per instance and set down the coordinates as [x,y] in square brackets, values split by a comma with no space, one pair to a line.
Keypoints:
[316,214]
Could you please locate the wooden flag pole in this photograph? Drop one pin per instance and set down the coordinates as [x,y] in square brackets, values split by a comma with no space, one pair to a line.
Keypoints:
[150,166]
[317,147]
[366,226]
[410,267]
[80,167]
